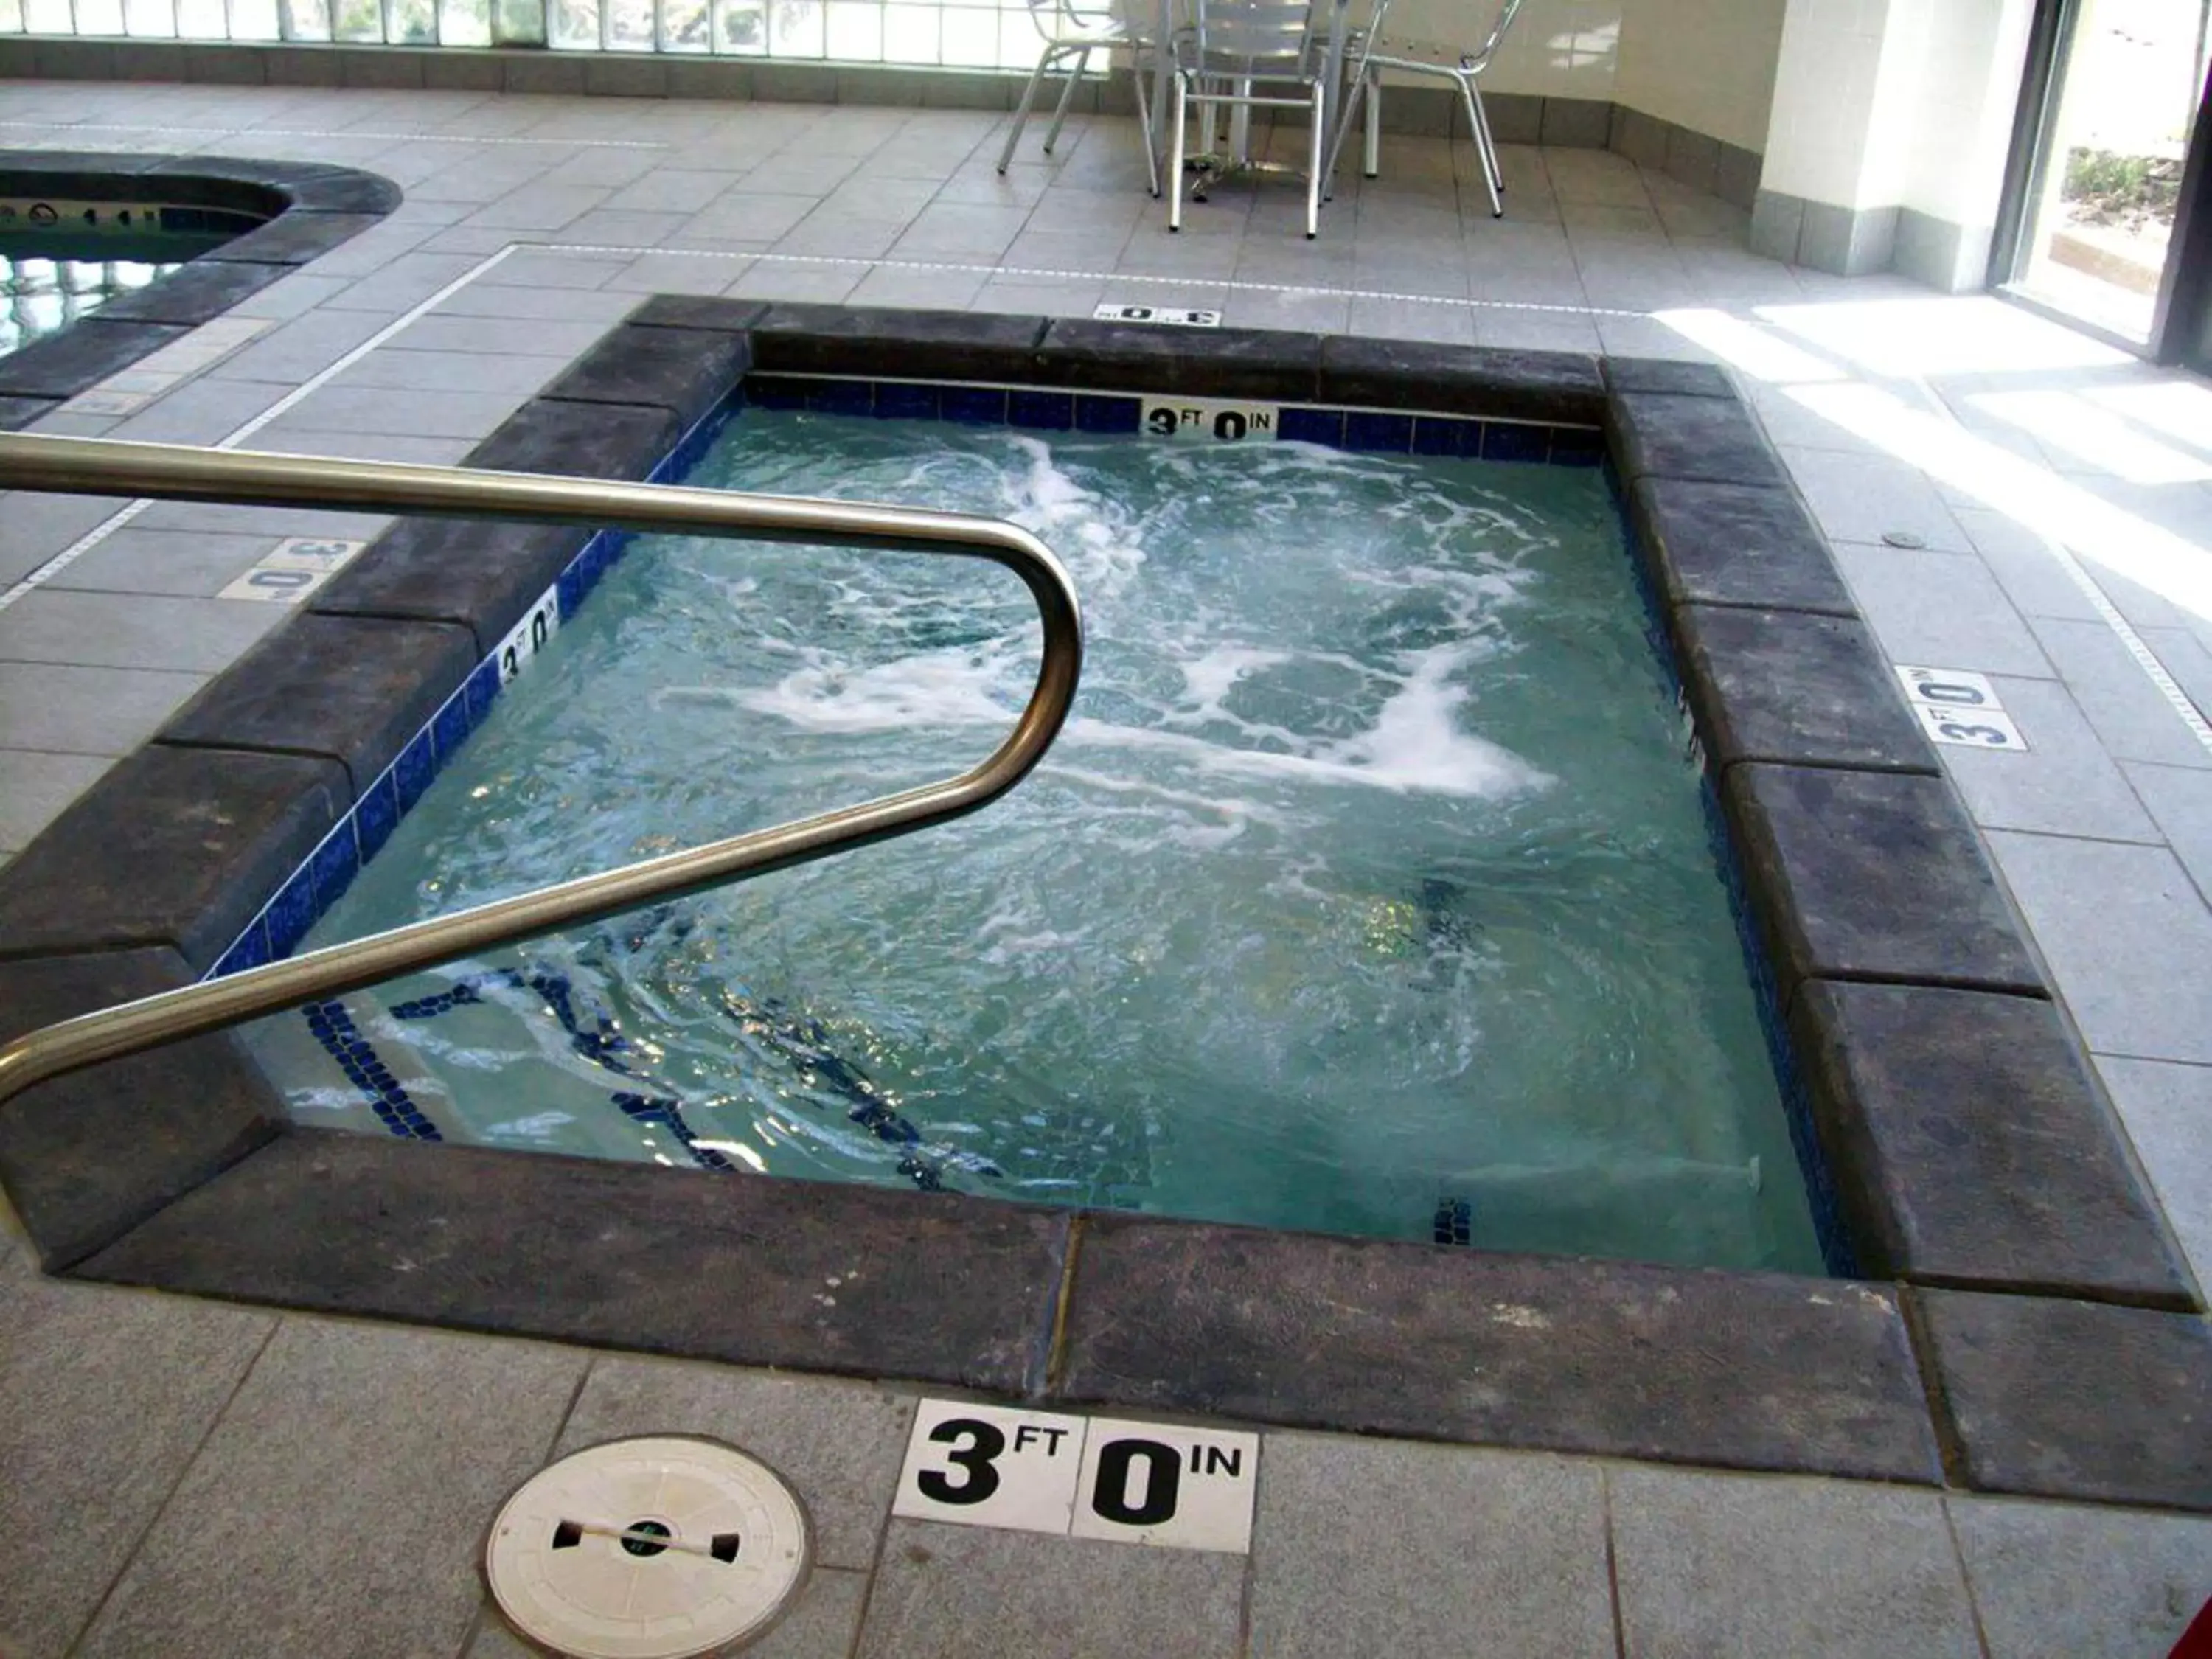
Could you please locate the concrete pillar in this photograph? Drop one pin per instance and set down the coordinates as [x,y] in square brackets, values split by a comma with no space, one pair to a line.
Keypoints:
[1886,147]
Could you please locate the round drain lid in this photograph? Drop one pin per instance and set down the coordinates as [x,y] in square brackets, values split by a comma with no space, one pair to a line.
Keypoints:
[662,1548]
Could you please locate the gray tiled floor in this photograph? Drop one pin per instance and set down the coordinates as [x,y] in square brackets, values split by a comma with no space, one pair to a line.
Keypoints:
[326,1493]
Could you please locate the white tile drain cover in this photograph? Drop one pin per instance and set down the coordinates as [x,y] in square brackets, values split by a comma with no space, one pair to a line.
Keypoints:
[662,1547]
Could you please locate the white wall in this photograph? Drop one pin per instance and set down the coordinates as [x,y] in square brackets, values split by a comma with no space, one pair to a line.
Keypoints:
[1555,48]
[1704,65]
[1708,65]
[1824,96]
[1898,103]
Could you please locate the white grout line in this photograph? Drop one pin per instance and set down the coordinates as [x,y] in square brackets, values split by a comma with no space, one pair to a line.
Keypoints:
[100,531]
[62,134]
[1234,286]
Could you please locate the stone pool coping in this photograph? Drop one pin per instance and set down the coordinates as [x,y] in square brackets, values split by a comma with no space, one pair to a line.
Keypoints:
[310,208]
[2026,1323]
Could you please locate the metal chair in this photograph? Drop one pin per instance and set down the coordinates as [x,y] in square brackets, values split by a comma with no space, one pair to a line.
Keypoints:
[1071,34]
[1376,52]
[1234,48]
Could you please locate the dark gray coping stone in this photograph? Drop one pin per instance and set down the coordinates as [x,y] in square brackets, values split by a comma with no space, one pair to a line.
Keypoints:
[483,576]
[1782,685]
[73,164]
[1750,1370]
[77,175]
[308,186]
[486,576]
[1454,379]
[1973,1150]
[1872,876]
[353,689]
[294,240]
[87,1155]
[201,291]
[175,846]
[2059,1399]
[1671,374]
[588,441]
[1722,544]
[697,311]
[746,1270]
[882,343]
[16,412]
[1197,362]
[685,371]
[80,356]
[1677,435]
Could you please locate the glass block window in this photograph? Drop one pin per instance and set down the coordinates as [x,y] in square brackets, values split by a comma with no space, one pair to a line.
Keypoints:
[987,35]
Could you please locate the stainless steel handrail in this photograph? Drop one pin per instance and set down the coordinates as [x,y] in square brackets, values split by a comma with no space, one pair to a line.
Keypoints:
[90,466]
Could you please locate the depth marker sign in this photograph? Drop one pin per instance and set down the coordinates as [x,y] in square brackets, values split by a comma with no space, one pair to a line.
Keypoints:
[1133,1483]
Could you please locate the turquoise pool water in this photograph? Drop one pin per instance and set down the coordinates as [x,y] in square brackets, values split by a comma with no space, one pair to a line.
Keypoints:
[1368,889]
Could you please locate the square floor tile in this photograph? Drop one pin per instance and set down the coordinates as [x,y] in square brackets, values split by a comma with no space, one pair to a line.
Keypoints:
[340,1506]
[105,1397]
[973,1593]
[2129,712]
[1720,1564]
[2167,1111]
[2061,1581]
[2063,784]
[1381,1547]
[1940,610]
[2127,936]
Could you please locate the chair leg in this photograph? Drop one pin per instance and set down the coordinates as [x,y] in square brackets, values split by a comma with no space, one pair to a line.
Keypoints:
[1482,148]
[1489,138]
[1374,134]
[1137,73]
[1174,155]
[1313,166]
[1343,127]
[1082,62]
[1021,109]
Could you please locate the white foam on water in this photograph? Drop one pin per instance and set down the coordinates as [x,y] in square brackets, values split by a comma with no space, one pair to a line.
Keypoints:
[1209,678]
[1416,744]
[1077,523]
[934,689]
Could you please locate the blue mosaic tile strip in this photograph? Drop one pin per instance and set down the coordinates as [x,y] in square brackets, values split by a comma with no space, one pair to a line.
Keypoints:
[1312,426]
[899,402]
[1044,411]
[1374,432]
[1096,412]
[1508,441]
[333,1027]
[667,1115]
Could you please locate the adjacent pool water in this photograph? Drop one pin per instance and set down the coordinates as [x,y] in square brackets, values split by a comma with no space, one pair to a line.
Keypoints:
[61,261]
[1369,891]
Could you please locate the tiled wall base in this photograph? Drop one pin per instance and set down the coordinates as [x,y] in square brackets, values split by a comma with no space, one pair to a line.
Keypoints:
[1728,171]
[1950,259]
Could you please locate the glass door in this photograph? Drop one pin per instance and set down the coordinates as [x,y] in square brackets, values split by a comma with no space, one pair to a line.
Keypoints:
[2108,117]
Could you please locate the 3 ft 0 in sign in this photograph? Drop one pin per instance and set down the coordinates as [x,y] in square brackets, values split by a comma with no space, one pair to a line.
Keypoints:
[1209,421]
[1140,1483]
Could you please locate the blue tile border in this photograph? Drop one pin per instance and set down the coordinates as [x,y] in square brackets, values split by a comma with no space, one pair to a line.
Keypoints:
[1444,437]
